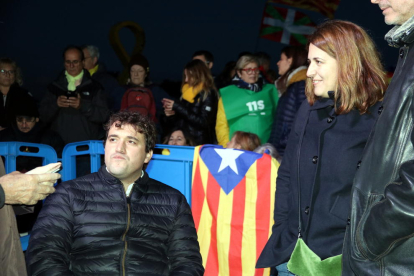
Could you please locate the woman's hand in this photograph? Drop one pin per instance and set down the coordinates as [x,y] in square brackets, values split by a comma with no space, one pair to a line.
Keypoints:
[169,112]
[168,105]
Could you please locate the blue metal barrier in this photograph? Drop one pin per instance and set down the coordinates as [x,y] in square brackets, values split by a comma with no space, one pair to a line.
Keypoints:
[11,150]
[174,169]
[94,148]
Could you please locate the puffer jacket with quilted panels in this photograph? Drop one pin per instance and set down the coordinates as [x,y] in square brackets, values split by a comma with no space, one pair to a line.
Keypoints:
[89,227]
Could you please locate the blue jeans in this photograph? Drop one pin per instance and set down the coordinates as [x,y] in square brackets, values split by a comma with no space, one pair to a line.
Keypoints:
[282,270]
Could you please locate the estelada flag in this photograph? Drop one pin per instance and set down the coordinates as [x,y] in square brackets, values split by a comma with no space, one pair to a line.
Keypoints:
[287,26]
[233,195]
[325,7]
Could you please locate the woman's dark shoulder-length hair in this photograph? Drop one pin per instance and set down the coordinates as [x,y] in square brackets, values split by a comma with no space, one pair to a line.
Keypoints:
[299,56]
[361,76]
[189,139]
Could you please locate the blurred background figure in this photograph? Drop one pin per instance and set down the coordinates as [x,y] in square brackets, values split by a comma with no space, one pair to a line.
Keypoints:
[269,149]
[272,76]
[145,94]
[137,97]
[197,107]
[248,104]
[206,57]
[11,91]
[226,76]
[291,86]
[263,60]
[27,127]
[98,72]
[179,137]
[74,104]
[244,140]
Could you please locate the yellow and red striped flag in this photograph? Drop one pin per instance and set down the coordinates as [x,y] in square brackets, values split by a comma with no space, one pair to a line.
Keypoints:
[232,204]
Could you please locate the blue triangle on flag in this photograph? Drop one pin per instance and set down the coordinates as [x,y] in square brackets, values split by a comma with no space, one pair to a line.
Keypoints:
[227,166]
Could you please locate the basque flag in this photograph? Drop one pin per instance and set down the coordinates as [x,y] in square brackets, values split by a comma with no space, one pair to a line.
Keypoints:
[232,203]
[287,26]
[325,7]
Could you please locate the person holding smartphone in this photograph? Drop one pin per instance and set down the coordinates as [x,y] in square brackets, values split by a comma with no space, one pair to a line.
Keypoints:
[75,104]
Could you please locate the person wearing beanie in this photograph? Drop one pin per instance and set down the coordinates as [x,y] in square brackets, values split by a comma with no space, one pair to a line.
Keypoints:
[139,71]
[139,98]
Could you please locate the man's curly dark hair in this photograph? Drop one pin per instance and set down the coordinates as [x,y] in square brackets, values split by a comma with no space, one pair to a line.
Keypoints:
[139,122]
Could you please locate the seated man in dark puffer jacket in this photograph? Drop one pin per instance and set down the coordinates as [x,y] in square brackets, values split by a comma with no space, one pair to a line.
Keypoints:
[117,221]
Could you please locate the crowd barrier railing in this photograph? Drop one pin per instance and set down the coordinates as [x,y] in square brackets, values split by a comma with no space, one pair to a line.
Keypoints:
[11,150]
[174,169]
[93,148]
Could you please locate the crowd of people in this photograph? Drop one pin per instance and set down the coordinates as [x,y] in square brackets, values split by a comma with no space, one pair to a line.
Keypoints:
[208,110]
[342,135]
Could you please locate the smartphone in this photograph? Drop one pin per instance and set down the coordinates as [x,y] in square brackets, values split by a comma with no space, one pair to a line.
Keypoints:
[70,94]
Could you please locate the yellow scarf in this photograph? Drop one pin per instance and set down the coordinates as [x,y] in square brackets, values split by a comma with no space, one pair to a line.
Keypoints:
[93,70]
[190,92]
[72,80]
[298,75]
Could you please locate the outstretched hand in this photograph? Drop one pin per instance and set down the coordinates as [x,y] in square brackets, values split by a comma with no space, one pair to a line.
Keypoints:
[167,104]
[27,189]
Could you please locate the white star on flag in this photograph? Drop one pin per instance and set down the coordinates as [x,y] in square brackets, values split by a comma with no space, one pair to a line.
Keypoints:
[228,159]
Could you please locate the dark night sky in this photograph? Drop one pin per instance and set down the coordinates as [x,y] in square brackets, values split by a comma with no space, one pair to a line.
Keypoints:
[34,33]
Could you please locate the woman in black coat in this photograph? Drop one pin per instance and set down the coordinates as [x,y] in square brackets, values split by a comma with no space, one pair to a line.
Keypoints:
[11,92]
[197,107]
[291,85]
[345,84]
